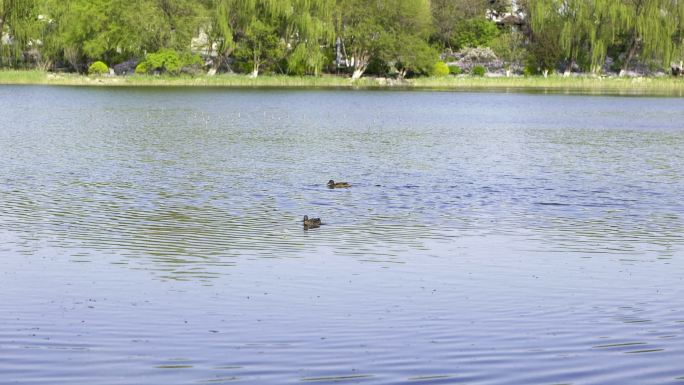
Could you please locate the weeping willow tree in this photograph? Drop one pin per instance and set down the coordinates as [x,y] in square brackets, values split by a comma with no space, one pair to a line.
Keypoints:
[19,29]
[82,31]
[651,29]
[678,39]
[172,23]
[305,31]
[586,27]
[302,25]
[571,16]
[608,20]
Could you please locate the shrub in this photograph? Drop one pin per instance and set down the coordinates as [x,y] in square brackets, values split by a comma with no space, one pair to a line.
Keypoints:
[125,68]
[142,68]
[478,70]
[455,70]
[169,61]
[439,69]
[476,55]
[98,68]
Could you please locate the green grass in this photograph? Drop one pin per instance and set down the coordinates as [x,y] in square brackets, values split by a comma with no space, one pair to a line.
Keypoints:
[556,84]
[22,77]
[68,79]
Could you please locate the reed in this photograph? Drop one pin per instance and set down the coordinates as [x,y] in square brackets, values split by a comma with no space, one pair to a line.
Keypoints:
[559,84]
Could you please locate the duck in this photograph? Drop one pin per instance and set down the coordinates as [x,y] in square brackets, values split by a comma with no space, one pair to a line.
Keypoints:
[311,223]
[333,184]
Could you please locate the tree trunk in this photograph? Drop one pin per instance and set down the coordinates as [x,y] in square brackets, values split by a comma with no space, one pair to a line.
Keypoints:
[2,21]
[360,65]
[222,58]
[630,55]
[360,60]
[215,65]
[358,72]
[568,69]
[255,67]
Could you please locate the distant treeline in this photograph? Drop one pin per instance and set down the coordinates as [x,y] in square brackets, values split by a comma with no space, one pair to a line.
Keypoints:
[308,37]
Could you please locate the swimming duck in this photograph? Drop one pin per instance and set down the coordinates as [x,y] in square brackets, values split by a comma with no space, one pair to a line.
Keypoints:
[333,184]
[311,223]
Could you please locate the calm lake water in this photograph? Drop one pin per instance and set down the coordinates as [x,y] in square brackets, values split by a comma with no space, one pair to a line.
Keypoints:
[153,236]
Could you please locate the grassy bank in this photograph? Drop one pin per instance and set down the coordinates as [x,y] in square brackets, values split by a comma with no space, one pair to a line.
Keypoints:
[585,85]
[558,84]
[67,79]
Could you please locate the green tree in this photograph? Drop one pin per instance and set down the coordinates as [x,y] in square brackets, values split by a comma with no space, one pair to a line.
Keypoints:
[360,32]
[175,22]
[115,30]
[449,16]
[544,51]
[408,53]
[406,47]
[382,29]
[259,47]
[510,47]
[474,32]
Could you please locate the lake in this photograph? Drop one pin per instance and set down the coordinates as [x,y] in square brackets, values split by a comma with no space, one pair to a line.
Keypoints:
[154,236]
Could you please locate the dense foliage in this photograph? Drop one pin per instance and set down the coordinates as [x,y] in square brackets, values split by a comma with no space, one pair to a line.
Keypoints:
[398,38]
[170,62]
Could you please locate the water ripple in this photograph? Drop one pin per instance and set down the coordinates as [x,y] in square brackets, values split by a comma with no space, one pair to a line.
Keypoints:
[156,236]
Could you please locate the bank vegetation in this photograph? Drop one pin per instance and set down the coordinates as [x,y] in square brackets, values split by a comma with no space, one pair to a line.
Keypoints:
[391,39]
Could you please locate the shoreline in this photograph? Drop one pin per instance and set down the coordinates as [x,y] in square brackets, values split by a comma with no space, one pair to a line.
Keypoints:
[643,86]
